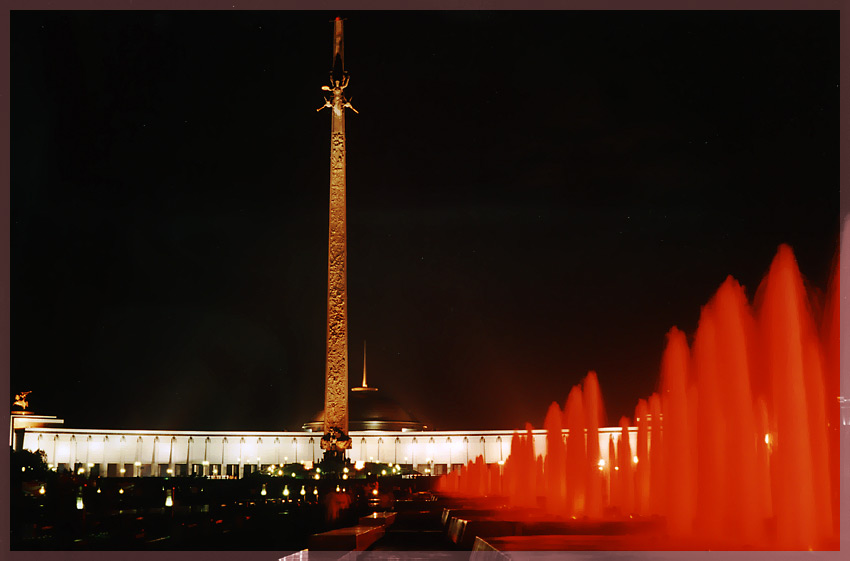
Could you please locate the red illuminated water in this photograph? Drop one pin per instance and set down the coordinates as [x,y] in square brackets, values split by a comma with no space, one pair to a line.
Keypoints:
[738,449]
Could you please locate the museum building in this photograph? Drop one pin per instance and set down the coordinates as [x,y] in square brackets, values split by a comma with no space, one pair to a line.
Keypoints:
[382,431]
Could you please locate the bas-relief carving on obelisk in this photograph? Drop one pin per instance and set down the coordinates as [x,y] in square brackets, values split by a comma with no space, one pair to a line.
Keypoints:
[335,439]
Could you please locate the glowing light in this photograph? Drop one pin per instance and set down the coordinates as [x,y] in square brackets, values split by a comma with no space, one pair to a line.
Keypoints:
[616,468]
[316,476]
[137,464]
[90,465]
[318,470]
[371,458]
[280,472]
[501,462]
[307,465]
[600,468]
[383,472]
[303,491]
[635,459]
[80,471]
[345,476]
[50,466]
[122,470]
[24,468]
[286,490]
[601,463]
[263,490]
[359,464]
[98,490]
[315,490]
[427,470]
[169,501]
[41,490]
[169,471]
[374,491]
[767,439]
[286,458]
[120,491]
[345,470]
[80,505]
[205,463]
[337,488]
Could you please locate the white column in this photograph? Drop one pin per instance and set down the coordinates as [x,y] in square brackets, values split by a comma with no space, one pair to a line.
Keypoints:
[104,465]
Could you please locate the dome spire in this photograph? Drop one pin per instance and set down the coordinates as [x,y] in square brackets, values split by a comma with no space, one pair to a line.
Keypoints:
[364,365]
[365,387]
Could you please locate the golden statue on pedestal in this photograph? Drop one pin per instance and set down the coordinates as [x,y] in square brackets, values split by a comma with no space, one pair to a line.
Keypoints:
[21,400]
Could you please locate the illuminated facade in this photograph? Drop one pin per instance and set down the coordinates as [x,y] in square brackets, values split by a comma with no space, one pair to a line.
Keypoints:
[219,454]
[382,431]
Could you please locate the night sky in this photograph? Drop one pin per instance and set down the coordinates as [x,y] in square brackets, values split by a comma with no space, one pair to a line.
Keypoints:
[531,195]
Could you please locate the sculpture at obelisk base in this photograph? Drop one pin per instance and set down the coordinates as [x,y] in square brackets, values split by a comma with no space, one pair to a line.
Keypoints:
[335,440]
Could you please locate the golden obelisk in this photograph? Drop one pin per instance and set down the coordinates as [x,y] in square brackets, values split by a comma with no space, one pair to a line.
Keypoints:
[335,440]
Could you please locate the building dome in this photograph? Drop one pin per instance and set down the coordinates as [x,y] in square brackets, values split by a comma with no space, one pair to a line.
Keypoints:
[368,410]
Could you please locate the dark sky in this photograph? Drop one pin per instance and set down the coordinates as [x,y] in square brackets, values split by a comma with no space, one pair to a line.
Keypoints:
[531,195]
